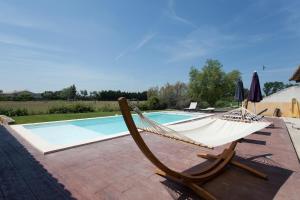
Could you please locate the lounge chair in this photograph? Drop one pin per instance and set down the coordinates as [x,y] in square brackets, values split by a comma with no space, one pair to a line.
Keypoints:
[209,109]
[193,107]
[6,120]
[195,132]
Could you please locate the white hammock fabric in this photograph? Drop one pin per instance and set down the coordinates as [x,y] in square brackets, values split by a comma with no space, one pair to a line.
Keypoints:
[207,132]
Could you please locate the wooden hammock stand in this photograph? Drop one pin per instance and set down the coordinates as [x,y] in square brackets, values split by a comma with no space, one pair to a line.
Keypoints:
[191,180]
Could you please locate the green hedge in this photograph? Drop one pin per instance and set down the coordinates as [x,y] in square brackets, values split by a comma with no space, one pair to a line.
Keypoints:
[202,104]
[224,103]
[153,103]
[108,108]
[76,108]
[13,112]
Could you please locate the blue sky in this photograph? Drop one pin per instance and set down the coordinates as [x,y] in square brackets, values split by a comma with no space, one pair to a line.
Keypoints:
[135,44]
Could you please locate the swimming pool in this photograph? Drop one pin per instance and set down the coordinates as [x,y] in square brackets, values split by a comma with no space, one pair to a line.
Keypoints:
[53,136]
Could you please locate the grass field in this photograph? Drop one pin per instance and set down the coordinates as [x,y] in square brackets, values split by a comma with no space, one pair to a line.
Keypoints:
[38,111]
[58,117]
[42,107]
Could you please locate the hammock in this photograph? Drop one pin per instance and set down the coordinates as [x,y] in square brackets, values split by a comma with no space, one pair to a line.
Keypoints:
[211,131]
[207,132]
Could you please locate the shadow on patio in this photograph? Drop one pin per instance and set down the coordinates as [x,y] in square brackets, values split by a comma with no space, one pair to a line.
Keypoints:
[22,176]
[235,183]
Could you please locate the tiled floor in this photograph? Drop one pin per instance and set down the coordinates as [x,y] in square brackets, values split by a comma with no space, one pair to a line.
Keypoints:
[293,126]
[116,169]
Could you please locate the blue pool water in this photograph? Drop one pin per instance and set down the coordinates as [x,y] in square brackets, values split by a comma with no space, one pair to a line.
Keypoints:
[77,131]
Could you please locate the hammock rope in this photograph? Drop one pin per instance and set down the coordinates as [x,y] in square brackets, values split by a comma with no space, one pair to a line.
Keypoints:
[145,124]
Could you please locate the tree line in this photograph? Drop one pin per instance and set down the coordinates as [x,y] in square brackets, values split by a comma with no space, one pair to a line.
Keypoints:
[209,85]
[273,87]
[71,93]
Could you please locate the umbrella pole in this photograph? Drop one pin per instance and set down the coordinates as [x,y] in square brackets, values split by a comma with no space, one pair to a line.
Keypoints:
[254,109]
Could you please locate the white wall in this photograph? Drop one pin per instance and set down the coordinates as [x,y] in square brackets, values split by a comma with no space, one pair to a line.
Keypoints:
[284,95]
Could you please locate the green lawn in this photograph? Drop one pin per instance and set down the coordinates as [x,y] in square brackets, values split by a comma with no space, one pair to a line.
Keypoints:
[42,107]
[57,117]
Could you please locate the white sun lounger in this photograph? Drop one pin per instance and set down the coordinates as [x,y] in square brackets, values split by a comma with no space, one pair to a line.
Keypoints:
[193,106]
[209,109]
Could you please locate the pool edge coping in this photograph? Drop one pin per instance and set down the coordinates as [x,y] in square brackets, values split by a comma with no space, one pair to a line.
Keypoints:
[44,147]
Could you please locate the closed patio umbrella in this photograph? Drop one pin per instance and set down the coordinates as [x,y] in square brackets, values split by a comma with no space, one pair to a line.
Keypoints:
[239,91]
[255,91]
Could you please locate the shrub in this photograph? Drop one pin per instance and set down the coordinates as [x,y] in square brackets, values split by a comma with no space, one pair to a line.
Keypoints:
[13,112]
[6,112]
[76,108]
[163,105]
[20,112]
[222,104]
[81,108]
[58,109]
[144,106]
[153,103]
[182,103]
[107,108]
[203,104]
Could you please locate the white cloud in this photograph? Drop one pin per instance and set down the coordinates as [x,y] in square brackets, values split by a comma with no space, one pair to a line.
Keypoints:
[206,42]
[16,16]
[123,53]
[173,15]
[27,43]
[198,43]
[145,40]
[46,71]
[19,17]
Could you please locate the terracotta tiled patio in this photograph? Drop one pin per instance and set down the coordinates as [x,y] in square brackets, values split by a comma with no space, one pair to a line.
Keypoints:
[116,169]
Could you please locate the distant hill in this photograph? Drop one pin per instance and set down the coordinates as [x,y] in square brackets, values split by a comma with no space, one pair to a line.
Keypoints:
[23,95]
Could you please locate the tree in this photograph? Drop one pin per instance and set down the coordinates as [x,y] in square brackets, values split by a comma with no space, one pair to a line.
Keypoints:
[273,87]
[181,94]
[49,95]
[23,96]
[153,91]
[84,93]
[167,95]
[95,95]
[68,93]
[211,83]
[174,96]
[2,96]
[208,83]
[230,83]
[170,95]
[73,92]
[154,103]
[246,92]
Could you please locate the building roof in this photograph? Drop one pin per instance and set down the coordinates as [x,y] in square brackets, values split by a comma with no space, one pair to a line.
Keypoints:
[296,75]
